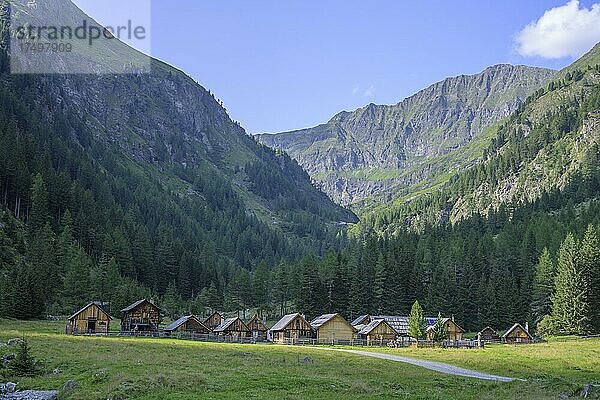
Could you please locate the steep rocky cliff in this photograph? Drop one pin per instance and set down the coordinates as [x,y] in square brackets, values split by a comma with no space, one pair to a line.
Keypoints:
[366,152]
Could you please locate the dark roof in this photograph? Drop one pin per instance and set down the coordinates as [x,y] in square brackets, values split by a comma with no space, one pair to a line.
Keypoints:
[138,303]
[488,328]
[284,321]
[258,321]
[176,324]
[398,323]
[93,303]
[515,326]
[227,323]
[372,325]
[359,320]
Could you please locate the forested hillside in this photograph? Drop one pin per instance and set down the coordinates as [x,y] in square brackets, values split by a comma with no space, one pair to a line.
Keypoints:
[118,186]
[550,139]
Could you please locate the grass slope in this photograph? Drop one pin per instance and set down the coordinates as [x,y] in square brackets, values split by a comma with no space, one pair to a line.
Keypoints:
[171,369]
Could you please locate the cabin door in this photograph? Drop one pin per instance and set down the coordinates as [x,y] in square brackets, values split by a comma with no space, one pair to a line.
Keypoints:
[91,325]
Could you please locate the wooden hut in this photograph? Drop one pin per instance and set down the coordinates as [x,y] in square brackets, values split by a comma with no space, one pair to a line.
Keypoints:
[233,327]
[188,324]
[214,320]
[397,322]
[378,330]
[90,319]
[517,334]
[291,326]
[258,329]
[361,320]
[487,334]
[453,331]
[143,315]
[332,327]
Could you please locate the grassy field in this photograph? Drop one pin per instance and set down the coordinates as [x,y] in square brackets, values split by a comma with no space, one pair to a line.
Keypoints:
[171,369]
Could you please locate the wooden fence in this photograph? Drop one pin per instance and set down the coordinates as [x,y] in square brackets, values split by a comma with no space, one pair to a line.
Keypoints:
[290,341]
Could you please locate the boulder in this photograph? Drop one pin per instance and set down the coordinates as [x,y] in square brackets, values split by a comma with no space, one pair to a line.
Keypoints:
[590,391]
[32,395]
[7,359]
[14,342]
[70,385]
[7,387]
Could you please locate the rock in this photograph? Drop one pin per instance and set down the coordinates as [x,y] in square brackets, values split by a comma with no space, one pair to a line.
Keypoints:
[70,385]
[590,391]
[32,395]
[8,387]
[7,359]
[14,342]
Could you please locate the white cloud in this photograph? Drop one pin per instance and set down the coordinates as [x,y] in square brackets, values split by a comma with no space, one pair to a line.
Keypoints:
[370,92]
[355,89]
[562,31]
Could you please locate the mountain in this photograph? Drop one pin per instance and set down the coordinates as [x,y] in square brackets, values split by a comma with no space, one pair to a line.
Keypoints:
[146,169]
[550,143]
[378,149]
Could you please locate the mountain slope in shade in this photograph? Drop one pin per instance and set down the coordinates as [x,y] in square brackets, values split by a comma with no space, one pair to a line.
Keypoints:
[364,153]
[160,148]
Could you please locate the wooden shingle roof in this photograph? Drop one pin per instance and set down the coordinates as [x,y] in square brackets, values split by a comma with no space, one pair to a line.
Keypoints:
[139,303]
[176,324]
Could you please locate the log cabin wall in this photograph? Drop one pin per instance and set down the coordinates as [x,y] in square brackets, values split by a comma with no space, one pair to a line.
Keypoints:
[91,319]
[335,329]
[145,316]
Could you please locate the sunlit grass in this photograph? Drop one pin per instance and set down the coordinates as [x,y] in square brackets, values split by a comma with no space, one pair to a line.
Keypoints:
[135,368]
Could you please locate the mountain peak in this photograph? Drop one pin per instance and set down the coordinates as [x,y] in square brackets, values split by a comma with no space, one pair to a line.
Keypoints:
[363,153]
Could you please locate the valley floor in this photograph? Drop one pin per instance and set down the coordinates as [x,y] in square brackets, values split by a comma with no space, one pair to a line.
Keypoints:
[134,368]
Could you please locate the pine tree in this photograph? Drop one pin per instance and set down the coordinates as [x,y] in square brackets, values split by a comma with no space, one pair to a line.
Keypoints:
[569,303]
[24,363]
[589,257]
[172,301]
[543,287]
[38,216]
[440,332]
[261,288]
[416,322]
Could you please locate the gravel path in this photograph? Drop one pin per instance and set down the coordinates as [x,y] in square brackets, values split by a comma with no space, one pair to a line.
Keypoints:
[432,365]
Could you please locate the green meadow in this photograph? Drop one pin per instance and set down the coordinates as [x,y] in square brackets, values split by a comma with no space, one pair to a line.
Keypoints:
[135,368]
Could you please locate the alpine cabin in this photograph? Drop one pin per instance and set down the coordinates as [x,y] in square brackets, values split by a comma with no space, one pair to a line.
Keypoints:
[453,331]
[90,319]
[378,330]
[258,329]
[330,327]
[291,326]
[517,334]
[487,334]
[187,324]
[143,315]
[214,320]
[232,327]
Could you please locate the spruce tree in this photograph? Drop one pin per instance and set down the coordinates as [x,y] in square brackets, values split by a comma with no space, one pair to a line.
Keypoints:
[439,331]
[38,216]
[569,303]
[416,322]
[543,287]
[589,258]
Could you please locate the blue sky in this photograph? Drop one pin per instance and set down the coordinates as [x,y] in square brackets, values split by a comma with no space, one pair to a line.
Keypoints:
[282,65]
